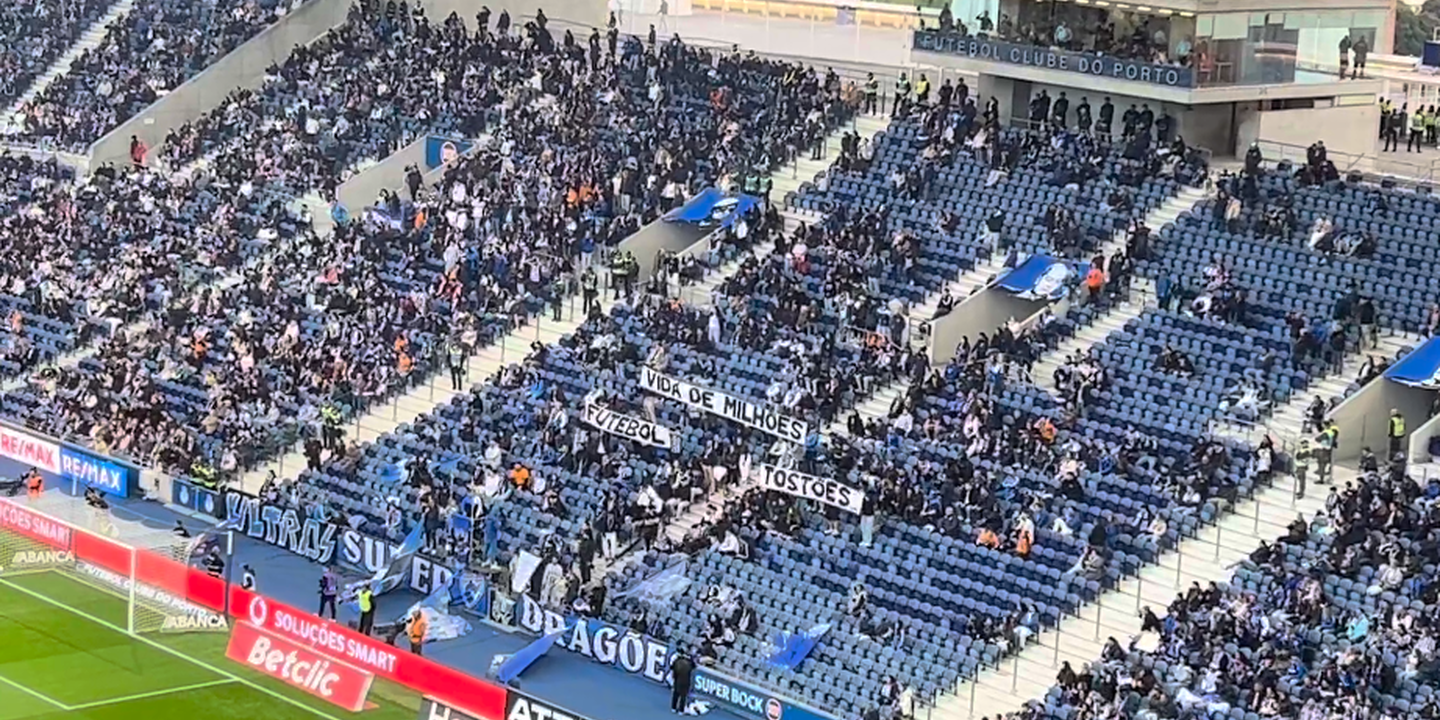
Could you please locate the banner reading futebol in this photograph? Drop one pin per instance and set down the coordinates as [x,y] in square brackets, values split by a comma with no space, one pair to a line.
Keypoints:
[629,427]
[763,418]
[825,490]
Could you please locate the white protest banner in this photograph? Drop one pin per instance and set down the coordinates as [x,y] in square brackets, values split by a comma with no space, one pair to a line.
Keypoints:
[626,426]
[830,492]
[763,418]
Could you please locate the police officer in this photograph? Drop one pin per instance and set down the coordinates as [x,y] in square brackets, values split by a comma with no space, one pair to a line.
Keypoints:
[1302,467]
[589,288]
[559,288]
[902,94]
[457,365]
[872,94]
[366,599]
[1396,432]
[628,269]
[330,433]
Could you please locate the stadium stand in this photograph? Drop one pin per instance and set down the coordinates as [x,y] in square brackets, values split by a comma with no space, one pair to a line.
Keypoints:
[110,249]
[157,46]
[1022,501]
[34,34]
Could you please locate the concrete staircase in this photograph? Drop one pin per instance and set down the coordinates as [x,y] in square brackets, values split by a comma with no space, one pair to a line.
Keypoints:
[1209,556]
[436,390]
[515,346]
[1287,421]
[1043,374]
[1141,291]
[11,123]
[963,286]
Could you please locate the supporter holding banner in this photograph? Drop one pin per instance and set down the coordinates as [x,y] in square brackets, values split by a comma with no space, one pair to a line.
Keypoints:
[713,207]
[1042,278]
[628,426]
[1420,368]
[824,490]
[764,418]
[442,150]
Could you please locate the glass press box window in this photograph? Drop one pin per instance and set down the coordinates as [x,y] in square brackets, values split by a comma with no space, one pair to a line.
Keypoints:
[1258,48]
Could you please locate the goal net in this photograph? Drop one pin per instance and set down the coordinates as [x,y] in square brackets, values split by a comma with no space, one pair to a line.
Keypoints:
[144,567]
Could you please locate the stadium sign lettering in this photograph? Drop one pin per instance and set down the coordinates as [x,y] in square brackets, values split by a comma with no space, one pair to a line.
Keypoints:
[630,651]
[747,700]
[33,525]
[206,622]
[1072,62]
[29,450]
[41,558]
[427,576]
[316,632]
[360,551]
[825,490]
[300,667]
[93,471]
[187,617]
[481,698]
[626,426]
[312,538]
[767,419]
[524,708]
[431,709]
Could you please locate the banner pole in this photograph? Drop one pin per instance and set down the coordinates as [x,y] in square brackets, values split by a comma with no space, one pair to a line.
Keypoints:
[229,567]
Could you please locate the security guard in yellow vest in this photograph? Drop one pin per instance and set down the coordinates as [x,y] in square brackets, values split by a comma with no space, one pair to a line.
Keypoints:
[365,597]
[330,432]
[203,474]
[1396,432]
[1417,131]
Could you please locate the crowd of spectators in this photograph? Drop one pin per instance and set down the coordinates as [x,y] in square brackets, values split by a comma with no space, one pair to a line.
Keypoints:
[82,256]
[1338,618]
[1146,39]
[151,51]
[625,124]
[34,34]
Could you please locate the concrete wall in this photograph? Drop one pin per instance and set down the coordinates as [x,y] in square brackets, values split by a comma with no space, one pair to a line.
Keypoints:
[1348,129]
[1364,418]
[1420,439]
[364,187]
[657,236]
[243,68]
[983,312]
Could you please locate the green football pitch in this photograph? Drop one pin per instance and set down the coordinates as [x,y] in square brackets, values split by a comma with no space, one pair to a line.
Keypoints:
[64,653]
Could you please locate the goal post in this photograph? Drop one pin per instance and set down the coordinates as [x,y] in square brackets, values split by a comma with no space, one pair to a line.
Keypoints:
[146,569]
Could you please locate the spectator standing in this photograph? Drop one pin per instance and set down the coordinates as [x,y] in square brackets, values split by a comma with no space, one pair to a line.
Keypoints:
[329,589]
[683,670]
[416,629]
[457,365]
[1362,49]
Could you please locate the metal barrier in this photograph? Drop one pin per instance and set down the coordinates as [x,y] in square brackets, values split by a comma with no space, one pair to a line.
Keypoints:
[1375,168]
